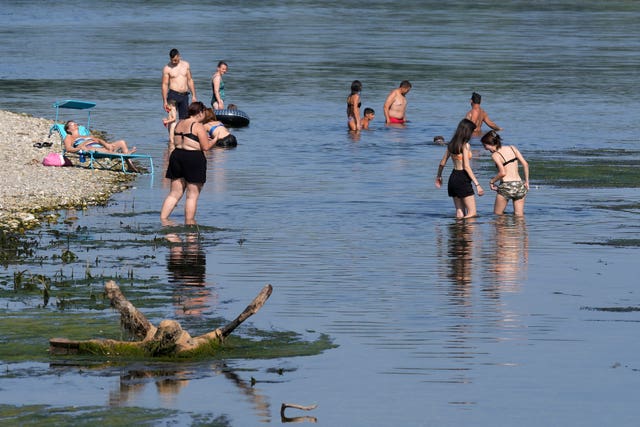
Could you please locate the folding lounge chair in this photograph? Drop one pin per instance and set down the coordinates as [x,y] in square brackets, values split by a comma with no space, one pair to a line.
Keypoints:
[95,157]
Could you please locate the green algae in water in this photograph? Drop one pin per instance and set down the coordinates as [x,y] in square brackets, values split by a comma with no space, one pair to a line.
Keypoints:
[43,415]
[612,309]
[15,248]
[586,169]
[25,337]
[618,243]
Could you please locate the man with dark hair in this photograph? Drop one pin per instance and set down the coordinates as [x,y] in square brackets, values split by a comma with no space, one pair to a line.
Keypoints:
[395,106]
[177,83]
[478,116]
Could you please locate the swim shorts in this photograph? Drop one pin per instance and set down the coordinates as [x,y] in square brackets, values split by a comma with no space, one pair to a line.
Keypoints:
[512,190]
[459,184]
[182,102]
[396,121]
[188,164]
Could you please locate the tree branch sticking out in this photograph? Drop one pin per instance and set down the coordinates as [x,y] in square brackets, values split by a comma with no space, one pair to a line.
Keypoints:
[165,340]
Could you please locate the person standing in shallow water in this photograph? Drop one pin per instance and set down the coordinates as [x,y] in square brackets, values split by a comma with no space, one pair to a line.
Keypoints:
[176,84]
[187,168]
[459,186]
[478,116]
[353,106]
[395,106]
[217,86]
[511,187]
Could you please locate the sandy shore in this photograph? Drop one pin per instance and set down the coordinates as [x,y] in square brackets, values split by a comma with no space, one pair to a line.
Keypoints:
[29,190]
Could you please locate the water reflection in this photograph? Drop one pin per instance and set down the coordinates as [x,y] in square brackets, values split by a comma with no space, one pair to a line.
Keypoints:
[507,259]
[462,238]
[170,381]
[186,263]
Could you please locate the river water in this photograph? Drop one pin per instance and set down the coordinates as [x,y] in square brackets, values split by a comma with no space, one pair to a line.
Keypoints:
[494,321]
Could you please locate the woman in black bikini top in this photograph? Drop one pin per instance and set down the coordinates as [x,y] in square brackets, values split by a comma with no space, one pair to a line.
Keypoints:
[189,135]
[353,106]
[511,187]
[506,162]
[187,167]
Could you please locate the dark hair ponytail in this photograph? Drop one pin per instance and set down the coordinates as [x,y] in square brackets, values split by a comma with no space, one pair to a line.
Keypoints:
[493,139]
[196,108]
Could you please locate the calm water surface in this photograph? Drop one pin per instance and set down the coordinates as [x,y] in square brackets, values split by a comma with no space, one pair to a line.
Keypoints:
[437,322]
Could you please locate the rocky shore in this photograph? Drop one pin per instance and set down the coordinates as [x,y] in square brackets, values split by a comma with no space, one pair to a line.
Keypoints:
[30,192]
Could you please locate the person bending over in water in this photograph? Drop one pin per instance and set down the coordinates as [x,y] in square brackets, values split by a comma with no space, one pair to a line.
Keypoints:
[353,106]
[75,142]
[511,186]
[459,186]
[218,133]
[478,116]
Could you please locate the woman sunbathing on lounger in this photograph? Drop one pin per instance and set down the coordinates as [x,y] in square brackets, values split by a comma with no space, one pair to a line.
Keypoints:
[75,142]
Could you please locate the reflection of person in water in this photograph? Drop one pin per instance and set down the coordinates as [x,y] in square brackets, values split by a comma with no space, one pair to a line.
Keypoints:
[509,256]
[186,263]
[459,256]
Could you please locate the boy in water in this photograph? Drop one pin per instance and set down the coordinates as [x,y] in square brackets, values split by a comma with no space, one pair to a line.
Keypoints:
[171,120]
[369,115]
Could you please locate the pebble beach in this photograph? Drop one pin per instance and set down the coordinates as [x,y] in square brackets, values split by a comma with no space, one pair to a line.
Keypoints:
[30,192]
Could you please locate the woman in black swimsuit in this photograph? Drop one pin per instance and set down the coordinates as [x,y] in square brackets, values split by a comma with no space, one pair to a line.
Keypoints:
[187,168]
[353,106]
[511,187]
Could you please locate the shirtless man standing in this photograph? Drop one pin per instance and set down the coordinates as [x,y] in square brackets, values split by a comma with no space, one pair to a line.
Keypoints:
[176,84]
[395,107]
[478,116]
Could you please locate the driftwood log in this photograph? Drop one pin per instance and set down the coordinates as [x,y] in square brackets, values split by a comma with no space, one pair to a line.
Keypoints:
[298,419]
[167,339]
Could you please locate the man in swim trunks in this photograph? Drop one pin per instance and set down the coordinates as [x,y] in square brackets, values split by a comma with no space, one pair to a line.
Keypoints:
[177,83]
[478,116]
[395,107]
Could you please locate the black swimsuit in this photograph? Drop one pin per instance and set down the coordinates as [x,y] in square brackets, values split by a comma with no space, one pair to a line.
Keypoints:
[189,135]
[190,165]
[350,107]
[506,162]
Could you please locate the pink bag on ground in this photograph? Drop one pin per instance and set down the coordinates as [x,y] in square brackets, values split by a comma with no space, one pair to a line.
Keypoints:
[55,159]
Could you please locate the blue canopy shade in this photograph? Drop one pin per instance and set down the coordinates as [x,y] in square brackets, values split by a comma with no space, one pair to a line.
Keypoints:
[75,105]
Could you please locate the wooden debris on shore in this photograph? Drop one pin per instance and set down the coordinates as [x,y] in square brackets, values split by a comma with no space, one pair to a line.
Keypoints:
[167,339]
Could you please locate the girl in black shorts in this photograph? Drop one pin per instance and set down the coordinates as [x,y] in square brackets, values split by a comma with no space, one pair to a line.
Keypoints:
[459,186]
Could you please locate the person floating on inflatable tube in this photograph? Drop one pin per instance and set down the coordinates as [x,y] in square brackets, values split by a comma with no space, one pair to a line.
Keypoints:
[218,133]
